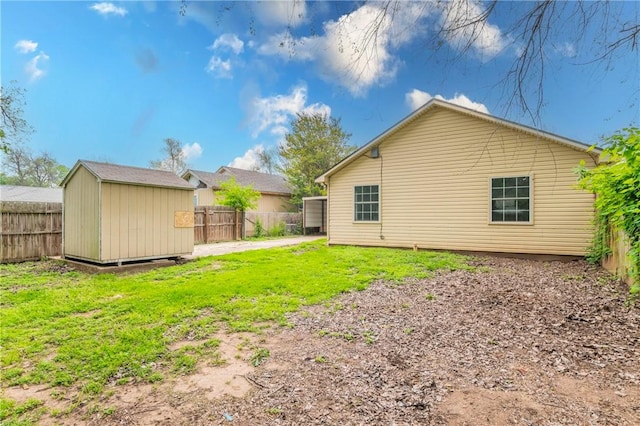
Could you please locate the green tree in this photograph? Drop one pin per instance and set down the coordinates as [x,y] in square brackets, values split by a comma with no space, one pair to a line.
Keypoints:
[241,198]
[267,161]
[46,171]
[175,159]
[12,125]
[617,185]
[22,167]
[314,144]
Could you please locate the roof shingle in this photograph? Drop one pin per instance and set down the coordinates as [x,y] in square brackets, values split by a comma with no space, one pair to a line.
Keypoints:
[132,175]
[262,182]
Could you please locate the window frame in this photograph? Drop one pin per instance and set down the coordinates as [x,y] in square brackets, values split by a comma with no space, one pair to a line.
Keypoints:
[531,199]
[377,203]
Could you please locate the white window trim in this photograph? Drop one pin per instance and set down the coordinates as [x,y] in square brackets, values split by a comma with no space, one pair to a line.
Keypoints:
[353,205]
[530,175]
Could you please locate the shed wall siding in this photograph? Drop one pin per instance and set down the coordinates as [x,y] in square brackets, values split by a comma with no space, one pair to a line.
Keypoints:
[435,190]
[138,222]
[81,216]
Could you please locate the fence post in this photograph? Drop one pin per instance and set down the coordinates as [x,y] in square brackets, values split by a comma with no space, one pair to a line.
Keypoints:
[243,226]
[237,223]
[205,234]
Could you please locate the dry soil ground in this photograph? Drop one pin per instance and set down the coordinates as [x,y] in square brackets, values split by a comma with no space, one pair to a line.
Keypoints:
[515,342]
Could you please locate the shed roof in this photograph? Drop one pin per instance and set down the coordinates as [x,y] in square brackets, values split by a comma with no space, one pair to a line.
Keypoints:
[438,103]
[30,194]
[262,182]
[107,172]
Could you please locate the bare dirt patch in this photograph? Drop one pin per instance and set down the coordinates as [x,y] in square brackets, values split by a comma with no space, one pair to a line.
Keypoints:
[226,379]
[516,342]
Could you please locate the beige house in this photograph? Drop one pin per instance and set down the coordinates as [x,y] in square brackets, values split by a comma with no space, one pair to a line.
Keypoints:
[447,177]
[275,193]
[113,214]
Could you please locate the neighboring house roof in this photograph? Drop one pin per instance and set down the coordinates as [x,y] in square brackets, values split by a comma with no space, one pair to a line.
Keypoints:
[115,173]
[262,182]
[30,194]
[438,103]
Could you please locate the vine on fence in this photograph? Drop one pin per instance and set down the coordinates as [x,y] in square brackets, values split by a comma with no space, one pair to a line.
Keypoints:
[617,185]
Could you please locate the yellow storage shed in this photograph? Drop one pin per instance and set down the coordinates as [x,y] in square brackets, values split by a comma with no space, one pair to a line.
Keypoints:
[114,214]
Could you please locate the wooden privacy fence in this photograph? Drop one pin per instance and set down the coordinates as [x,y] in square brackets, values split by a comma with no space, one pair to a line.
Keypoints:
[618,262]
[216,223]
[29,230]
[292,221]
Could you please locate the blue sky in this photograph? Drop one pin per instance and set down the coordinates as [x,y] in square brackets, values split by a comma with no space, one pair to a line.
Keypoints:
[110,81]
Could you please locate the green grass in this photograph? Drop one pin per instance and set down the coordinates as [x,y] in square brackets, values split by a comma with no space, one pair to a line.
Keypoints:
[68,329]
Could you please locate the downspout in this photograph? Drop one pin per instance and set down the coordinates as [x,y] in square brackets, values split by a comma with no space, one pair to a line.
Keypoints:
[380,191]
[63,218]
[327,184]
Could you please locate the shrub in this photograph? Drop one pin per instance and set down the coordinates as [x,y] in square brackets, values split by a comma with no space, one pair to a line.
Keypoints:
[241,198]
[617,204]
[278,230]
[258,229]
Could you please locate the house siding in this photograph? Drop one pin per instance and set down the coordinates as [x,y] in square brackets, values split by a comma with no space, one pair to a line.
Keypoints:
[434,177]
[266,202]
[81,216]
[274,203]
[205,196]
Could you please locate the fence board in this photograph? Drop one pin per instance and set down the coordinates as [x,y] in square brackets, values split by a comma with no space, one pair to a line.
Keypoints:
[216,223]
[292,221]
[30,231]
[618,262]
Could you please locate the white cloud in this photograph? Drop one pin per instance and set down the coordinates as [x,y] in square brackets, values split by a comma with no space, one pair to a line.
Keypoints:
[26,46]
[459,17]
[218,67]
[34,66]
[416,98]
[279,13]
[106,9]
[566,49]
[356,50]
[228,41]
[249,161]
[273,114]
[191,152]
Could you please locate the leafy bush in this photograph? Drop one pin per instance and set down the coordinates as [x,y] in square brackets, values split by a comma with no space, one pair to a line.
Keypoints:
[258,229]
[278,230]
[617,184]
[241,198]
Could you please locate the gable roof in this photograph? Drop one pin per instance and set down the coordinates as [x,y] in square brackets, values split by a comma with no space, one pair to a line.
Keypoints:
[438,103]
[30,194]
[262,182]
[114,173]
